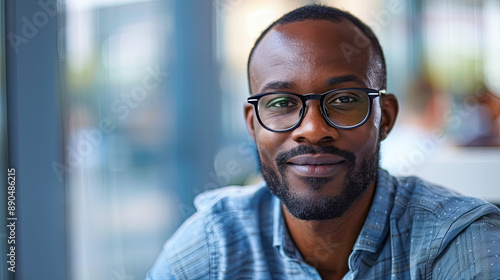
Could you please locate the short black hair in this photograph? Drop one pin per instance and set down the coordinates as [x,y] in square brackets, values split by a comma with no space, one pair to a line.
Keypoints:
[322,12]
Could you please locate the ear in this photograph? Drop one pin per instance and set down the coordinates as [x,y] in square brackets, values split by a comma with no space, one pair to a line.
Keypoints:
[390,107]
[249,119]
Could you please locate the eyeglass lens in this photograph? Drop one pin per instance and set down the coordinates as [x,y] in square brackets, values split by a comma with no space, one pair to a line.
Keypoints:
[281,111]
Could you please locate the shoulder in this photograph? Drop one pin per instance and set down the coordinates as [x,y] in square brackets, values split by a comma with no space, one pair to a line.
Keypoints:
[193,249]
[185,253]
[428,208]
[442,226]
[473,253]
[416,196]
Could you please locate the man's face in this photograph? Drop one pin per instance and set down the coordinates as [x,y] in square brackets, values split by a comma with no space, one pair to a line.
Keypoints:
[316,170]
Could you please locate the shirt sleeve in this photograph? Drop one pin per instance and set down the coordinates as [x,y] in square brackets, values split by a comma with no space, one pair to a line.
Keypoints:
[472,254]
[185,255]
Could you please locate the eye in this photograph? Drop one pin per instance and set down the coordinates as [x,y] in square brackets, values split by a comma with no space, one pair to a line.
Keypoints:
[343,99]
[281,102]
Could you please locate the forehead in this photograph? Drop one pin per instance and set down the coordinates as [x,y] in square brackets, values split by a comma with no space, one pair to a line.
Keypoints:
[312,51]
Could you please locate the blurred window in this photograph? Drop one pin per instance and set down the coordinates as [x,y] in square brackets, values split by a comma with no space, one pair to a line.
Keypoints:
[154,92]
[118,121]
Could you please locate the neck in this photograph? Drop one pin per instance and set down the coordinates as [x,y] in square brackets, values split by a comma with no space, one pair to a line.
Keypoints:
[326,245]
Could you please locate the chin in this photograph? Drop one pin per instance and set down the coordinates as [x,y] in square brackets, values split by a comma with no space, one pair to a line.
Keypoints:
[321,198]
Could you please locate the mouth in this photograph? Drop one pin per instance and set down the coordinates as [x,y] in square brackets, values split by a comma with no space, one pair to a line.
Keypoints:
[316,165]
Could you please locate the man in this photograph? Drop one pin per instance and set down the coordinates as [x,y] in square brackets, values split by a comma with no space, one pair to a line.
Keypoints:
[317,113]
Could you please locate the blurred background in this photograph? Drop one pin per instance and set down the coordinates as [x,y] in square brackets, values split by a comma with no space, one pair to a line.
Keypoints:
[117,113]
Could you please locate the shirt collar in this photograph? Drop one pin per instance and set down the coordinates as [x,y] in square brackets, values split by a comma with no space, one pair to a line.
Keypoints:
[281,238]
[376,225]
[278,223]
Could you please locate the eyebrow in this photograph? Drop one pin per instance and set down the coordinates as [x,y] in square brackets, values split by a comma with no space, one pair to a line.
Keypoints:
[277,85]
[330,82]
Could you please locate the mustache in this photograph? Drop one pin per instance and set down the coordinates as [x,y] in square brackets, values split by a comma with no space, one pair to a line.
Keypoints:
[283,157]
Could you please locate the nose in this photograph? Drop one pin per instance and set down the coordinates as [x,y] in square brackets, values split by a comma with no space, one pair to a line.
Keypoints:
[314,129]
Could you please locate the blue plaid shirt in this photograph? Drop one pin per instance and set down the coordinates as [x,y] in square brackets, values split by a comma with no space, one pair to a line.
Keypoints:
[414,230]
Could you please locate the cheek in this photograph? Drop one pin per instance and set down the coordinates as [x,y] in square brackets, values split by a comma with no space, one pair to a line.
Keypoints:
[269,144]
[360,141]
[364,139]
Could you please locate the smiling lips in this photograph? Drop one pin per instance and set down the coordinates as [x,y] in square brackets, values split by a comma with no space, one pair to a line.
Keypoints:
[315,165]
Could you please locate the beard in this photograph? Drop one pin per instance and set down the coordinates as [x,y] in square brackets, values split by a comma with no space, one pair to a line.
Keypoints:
[356,182]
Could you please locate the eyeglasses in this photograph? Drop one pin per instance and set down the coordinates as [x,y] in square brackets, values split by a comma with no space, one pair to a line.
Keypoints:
[342,108]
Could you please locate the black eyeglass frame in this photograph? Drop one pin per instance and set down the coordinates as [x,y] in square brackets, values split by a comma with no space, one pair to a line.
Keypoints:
[372,94]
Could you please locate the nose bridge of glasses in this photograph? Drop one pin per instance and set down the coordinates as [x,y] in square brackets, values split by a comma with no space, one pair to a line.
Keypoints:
[312,96]
[319,113]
